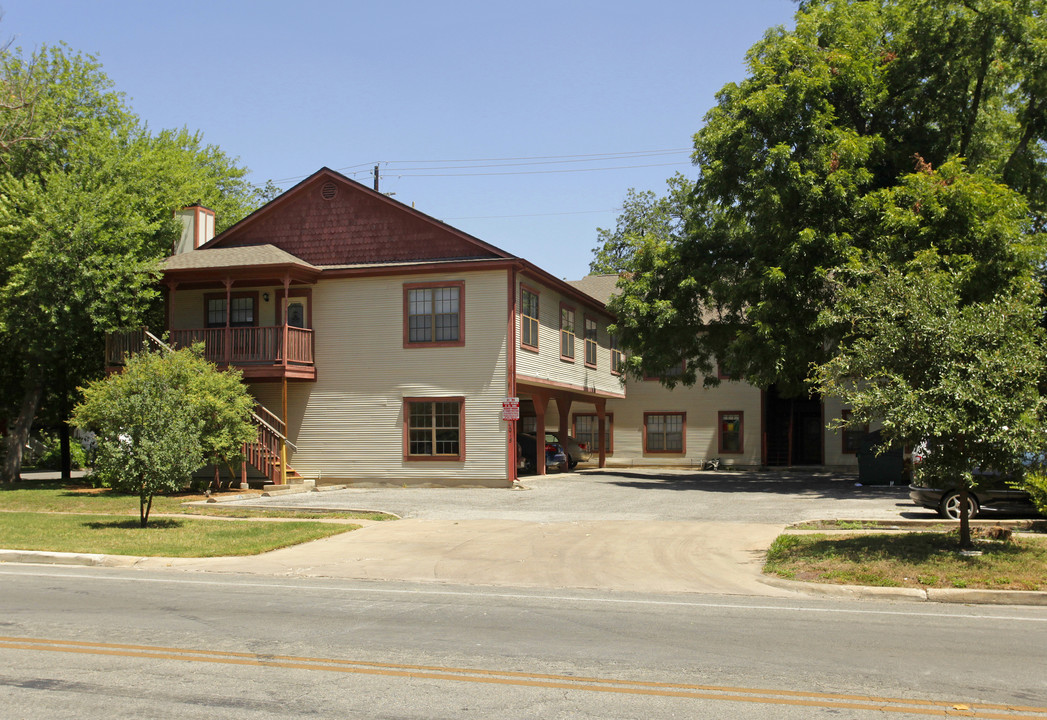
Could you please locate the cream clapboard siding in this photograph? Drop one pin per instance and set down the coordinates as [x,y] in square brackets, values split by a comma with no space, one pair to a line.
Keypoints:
[702,406]
[348,425]
[188,309]
[546,363]
[834,454]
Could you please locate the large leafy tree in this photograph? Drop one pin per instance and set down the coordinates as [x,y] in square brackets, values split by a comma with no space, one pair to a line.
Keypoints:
[944,346]
[87,195]
[161,419]
[645,215]
[860,95]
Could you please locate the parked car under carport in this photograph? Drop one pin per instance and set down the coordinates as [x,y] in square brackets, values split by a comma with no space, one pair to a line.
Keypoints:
[526,453]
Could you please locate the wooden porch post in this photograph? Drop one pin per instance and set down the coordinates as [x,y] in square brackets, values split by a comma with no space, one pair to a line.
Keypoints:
[601,429]
[286,333]
[169,308]
[563,409]
[283,394]
[227,343]
[540,399]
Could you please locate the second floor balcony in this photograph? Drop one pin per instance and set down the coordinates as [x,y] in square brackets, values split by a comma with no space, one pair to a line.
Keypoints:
[268,352]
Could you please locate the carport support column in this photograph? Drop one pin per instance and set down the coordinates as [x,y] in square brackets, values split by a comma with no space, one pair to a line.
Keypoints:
[540,400]
[601,429]
[563,409]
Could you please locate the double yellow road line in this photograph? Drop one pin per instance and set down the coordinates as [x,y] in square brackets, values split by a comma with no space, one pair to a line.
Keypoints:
[798,698]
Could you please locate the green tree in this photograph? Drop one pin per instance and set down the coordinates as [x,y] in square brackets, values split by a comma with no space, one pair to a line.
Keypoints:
[859,95]
[644,215]
[932,366]
[943,344]
[86,213]
[165,416]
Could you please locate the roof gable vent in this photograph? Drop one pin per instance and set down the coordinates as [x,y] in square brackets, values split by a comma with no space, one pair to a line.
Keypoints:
[328,190]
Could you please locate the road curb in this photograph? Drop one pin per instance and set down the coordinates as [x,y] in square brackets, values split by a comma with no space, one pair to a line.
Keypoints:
[38,557]
[960,596]
[987,597]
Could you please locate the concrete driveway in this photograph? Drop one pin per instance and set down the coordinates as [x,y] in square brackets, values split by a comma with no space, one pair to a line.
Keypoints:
[643,530]
[646,494]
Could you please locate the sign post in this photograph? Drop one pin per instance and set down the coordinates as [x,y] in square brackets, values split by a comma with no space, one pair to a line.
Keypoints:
[511,409]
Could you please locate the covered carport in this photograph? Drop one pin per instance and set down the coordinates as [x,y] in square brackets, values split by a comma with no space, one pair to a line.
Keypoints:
[542,394]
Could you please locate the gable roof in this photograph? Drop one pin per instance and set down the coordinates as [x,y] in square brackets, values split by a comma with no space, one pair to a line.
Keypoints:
[329,220]
[234,257]
[600,287]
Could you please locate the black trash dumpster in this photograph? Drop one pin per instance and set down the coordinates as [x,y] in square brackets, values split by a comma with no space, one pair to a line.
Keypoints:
[886,468]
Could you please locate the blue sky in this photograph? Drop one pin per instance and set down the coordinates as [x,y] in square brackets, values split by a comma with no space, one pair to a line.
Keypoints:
[523,124]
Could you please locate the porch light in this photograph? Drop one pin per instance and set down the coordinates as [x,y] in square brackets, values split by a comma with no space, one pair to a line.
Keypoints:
[265,297]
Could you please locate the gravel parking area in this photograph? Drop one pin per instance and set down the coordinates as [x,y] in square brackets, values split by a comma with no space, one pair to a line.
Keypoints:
[635,494]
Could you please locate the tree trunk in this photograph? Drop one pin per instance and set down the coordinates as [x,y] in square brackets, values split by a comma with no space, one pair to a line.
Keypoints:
[18,433]
[67,460]
[965,519]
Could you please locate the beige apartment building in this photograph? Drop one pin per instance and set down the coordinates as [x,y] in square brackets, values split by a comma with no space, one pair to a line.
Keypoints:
[385,346]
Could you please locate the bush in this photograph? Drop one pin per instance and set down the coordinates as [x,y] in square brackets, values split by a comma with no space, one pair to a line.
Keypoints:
[50,458]
[161,419]
[1035,483]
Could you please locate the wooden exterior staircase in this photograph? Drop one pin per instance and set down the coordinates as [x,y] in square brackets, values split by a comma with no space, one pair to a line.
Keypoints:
[267,454]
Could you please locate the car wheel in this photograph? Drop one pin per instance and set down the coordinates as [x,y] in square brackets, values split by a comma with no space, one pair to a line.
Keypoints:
[572,464]
[949,507]
[528,465]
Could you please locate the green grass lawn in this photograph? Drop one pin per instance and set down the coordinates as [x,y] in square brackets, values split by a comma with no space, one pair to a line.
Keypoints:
[51,515]
[78,497]
[914,559]
[164,536]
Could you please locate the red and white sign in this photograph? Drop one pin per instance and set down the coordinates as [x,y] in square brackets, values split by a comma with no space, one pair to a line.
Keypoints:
[511,408]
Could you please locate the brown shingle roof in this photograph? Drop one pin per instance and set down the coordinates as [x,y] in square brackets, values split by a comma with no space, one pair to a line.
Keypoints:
[251,255]
[600,287]
[604,287]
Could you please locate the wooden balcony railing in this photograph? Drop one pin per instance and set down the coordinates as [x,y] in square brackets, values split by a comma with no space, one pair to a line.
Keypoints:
[225,346]
[268,453]
[249,345]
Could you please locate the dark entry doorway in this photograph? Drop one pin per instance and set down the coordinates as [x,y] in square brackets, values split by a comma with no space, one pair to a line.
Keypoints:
[793,429]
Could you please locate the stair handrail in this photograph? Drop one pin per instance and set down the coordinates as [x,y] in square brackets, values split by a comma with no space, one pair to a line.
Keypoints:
[160,344]
[258,420]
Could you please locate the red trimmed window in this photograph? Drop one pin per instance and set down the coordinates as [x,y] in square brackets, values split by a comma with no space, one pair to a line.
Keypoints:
[730,431]
[851,435]
[664,432]
[434,428]
[567,332]
[674,371]
[617,360]
[587,430]
[590,342]
[244,309]
[528,318]
[433,315]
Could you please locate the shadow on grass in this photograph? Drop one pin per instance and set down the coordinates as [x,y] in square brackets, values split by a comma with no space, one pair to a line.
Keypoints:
[913,548]
[135,523]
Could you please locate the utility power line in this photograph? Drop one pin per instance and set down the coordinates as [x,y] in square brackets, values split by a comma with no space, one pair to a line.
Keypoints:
[504,162]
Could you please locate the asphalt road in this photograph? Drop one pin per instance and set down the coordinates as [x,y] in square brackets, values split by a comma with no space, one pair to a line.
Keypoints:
[108,643]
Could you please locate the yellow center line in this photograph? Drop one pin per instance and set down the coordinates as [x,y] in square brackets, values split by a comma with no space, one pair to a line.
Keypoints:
[539,680]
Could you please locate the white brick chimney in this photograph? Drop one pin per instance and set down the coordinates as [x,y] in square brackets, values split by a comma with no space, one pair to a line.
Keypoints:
[197,228]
